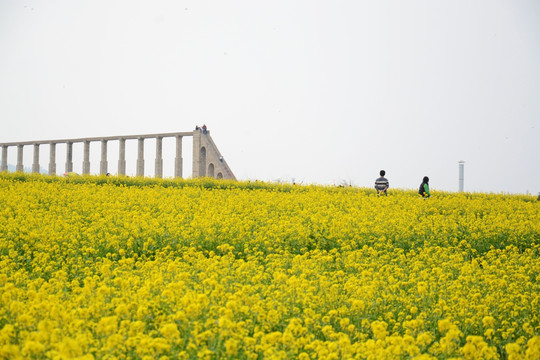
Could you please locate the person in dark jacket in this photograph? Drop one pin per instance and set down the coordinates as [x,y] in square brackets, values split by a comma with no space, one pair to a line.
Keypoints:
[424,188]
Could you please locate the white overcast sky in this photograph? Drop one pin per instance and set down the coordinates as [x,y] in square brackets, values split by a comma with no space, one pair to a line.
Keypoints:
[317,91]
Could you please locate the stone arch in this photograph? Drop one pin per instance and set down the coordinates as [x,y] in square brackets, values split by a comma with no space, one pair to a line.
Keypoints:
[211,170]
[219,176]
[202,162]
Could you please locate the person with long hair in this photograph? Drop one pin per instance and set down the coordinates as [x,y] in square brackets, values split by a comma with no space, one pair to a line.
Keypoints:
[424,188]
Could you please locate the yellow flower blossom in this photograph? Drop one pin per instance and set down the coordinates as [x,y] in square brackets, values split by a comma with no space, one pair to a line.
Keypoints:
[105,267]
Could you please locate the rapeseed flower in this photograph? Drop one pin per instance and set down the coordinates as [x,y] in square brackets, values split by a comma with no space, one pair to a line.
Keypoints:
[96,268]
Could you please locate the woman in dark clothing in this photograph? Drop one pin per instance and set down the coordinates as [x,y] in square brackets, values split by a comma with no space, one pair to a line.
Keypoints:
[424,188]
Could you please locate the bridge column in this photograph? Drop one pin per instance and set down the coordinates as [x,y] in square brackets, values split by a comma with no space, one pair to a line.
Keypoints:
[159,158]
[178,158]
[86,158]
[140,159]
[196,154]
[4,159]
[35,164]
[103,163]
[69,157]
[52,159]
[20,166]
[122,158]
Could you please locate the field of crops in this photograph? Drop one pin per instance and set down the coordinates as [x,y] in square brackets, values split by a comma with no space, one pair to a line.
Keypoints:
[116,268]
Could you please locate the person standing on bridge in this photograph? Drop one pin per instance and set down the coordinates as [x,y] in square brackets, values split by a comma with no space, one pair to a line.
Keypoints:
[204,129]
[382,184]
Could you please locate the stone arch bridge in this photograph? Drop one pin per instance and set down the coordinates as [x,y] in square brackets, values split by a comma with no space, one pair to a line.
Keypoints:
[207,160]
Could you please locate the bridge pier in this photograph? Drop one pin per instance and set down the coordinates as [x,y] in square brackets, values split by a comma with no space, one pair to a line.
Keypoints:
[178,159]
[52,159]
[4,159]
[103,163]
[20,166]
[69,157]
[122,157]
[159,159]
[86,158]
[140,158]
[35,164]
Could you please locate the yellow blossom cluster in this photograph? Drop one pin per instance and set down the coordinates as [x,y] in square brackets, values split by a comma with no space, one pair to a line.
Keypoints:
[123,268]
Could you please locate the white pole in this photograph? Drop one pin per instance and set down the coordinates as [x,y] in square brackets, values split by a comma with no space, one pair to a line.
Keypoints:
[461,175]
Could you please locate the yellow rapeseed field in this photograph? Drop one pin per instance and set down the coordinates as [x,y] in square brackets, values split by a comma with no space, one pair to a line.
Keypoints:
[124,268]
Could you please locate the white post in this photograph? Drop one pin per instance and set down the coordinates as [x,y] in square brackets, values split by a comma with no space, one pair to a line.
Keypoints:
[52,159]
[159,158]
[4,159]
[140,159]
[122,157]
[196,154]
[86,161]
[69,157]
[178,158]
[35,165]
[461,175]
[20,166]
[103,163]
